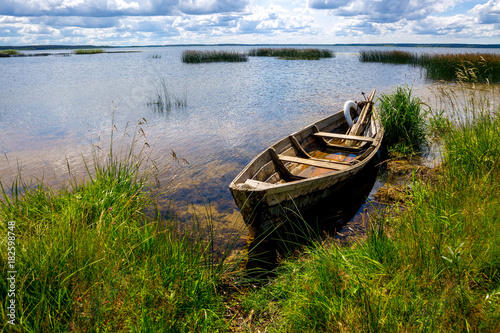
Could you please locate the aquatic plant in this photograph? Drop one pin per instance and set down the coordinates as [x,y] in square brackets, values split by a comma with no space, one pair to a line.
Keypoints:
[163,100]
[403,119]
[292,53]
[393,56]
[8,53]
[89,51]
[465,67]
[193,56]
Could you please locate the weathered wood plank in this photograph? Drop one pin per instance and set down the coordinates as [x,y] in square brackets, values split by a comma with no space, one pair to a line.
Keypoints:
[282,169]
[298,146]
[343,136]
[359,126]
[325,164]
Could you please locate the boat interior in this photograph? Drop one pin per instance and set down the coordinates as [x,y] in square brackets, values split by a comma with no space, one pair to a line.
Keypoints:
[313,152]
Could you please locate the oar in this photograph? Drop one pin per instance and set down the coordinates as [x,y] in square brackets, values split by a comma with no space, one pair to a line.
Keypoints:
[358,127]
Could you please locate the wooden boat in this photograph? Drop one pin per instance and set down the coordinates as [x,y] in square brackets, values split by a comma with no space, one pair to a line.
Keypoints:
[308,165]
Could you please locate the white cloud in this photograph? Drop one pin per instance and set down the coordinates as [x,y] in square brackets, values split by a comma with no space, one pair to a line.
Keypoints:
[145,22]
[103,8]
[489,13]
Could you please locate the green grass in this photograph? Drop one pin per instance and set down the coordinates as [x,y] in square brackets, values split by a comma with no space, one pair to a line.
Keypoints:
[96,256]
[194,57]
[8,53]
[433,267]
[464,67]
[163,100]
[89,51]
[403,119]
[292,53]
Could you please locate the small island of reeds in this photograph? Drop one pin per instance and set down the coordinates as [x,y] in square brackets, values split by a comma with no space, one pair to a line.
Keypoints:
[8,53]
[89,51]
[465,67]
[195,56]
[289,53]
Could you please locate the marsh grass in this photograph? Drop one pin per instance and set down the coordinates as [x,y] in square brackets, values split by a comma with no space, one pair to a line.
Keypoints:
[8,53]
[89,51]
[194,57]
[434,267]
[97,256]
[403,118]
[464,67]
[393,56]
[288,53]
[163,100]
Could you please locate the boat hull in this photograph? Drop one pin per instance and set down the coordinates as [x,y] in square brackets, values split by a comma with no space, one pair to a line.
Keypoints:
[261,202]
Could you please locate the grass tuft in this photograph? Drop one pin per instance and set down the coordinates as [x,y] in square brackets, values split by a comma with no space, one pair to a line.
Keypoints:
[403,119]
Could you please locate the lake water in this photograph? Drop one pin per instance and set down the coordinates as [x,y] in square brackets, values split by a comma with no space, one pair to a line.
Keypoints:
[53,107]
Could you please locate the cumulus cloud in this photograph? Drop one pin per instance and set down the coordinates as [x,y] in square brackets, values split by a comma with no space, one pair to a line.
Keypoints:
[327,4]
[384,11]
[489,13]
[199,7]
[104,8]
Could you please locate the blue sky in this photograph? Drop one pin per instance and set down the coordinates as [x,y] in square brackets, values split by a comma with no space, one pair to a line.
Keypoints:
[162,22]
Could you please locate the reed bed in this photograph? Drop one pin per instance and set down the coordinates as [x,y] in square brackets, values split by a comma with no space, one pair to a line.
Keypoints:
[394,57]
[292,53]
[465,67]
[8,53]
[89,51]
[196,57]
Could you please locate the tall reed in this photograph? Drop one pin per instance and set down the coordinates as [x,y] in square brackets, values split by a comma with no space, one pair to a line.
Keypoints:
[192,56]
[393,56]
[403,119]
[163,100]
[465,67]
[292,53]
[8,53]
[89,51]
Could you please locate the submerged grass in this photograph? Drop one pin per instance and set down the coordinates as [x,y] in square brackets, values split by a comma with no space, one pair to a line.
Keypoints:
[465,67]
[95,256]
[288,53]
[434,267]
[194,57]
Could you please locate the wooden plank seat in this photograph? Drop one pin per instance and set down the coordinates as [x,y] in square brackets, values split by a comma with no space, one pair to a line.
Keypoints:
[319,163]
[343,136]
